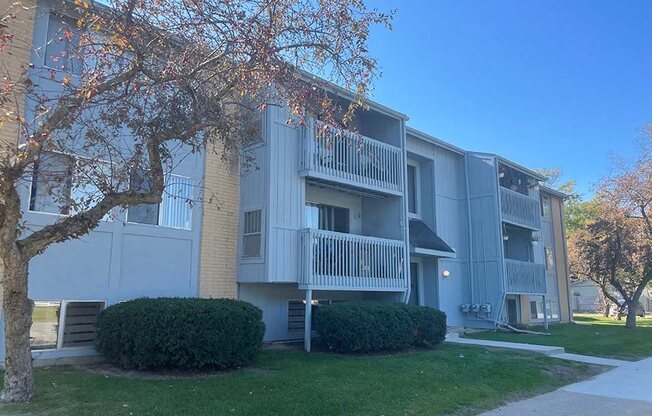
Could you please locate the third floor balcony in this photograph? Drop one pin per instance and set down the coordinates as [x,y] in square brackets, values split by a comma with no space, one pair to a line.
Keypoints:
[519,209]
[334,155]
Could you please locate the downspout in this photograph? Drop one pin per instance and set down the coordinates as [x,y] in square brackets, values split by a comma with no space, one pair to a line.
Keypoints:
[502,248]
[406,227]
[470,227]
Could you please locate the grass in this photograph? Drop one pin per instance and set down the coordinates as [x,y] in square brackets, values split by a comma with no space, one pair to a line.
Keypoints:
[599,336]
[451,379]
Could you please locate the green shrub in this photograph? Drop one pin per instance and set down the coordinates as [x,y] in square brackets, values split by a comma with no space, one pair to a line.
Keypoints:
[375,326]
[429,325]
[180,333]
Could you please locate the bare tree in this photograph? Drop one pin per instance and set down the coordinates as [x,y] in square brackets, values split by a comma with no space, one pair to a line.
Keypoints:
[137,84]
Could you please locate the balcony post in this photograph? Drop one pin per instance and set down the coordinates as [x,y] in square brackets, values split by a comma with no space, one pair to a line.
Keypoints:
[308,323]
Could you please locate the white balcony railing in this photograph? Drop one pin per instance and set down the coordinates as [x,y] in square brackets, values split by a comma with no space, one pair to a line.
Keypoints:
[354,262]
[525,277]
[334,154]
[520,209]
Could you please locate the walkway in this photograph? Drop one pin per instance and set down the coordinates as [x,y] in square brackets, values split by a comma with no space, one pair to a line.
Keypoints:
[624,391]
[556,352]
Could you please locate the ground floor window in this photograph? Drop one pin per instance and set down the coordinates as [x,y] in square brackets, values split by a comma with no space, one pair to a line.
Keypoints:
[64,324]
[45,325]
[536,308]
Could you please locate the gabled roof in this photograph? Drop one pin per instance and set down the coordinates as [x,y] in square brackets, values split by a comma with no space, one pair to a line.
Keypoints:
[513,165]
[554,192]
[434,140]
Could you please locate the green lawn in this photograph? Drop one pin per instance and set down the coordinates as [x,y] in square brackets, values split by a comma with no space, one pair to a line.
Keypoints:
[449,380]
[599,336]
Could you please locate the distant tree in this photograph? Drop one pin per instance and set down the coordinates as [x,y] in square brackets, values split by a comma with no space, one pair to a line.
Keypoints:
[136,83]
[614,248]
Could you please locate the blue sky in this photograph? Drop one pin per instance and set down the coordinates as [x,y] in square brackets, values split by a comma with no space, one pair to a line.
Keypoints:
[544,83]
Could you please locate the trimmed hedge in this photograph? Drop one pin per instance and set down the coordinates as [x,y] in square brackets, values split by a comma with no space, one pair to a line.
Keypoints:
[180,333]
[375,326]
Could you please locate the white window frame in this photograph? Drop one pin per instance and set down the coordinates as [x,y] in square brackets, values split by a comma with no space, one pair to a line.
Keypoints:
[108,217]
[160,208]
[421,299]
[254,144]
[261,257]
[62,323]
[49,15]
[417,190]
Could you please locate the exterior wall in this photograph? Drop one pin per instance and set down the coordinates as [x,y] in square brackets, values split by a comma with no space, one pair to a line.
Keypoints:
[443,207]
[273,299]
[561,257]
[19,51]
[487,280]
[219,228]
[120,260]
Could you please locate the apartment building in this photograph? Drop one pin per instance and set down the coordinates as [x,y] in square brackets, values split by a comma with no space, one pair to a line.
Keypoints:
[169,249]
[377,212]
[385,212]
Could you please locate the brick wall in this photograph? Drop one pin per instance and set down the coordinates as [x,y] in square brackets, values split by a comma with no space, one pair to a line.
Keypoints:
[13,63]
[219,239]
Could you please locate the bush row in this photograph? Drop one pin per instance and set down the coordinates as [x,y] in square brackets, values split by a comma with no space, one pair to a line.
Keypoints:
[374,326]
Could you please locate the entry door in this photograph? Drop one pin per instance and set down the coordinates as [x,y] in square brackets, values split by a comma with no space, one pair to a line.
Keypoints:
[414,284]
[512,311]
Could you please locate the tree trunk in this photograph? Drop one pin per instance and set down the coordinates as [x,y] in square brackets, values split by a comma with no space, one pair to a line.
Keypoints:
[631,315]
[17,307]
[607,309]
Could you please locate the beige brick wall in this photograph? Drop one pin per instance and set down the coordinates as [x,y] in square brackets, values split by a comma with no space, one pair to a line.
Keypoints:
[219,240]
[13,62]
[561,258]
[15,59]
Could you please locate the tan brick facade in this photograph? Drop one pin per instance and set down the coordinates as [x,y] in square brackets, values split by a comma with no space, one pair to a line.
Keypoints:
[16,58]
[561,256]
[13,63]
[219,234]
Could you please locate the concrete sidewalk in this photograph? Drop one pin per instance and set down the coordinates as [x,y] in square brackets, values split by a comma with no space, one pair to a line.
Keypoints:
[551,351]
[624,391]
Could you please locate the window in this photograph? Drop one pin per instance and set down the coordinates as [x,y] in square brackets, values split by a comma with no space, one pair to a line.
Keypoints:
[143,213]
[536,309]
[175,209]
[252,125]
[64,324]
[550,258]
[45,325]
[545,206]
[51,184]
[412,189]
[62,47]
[252,234]
[327,217]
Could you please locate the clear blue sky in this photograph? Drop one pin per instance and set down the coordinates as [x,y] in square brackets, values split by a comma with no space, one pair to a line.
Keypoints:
[544,83]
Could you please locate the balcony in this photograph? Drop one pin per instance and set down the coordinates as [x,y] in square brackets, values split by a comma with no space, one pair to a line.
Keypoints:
[525,277]
[339,261]
[519,209]
[334,155]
